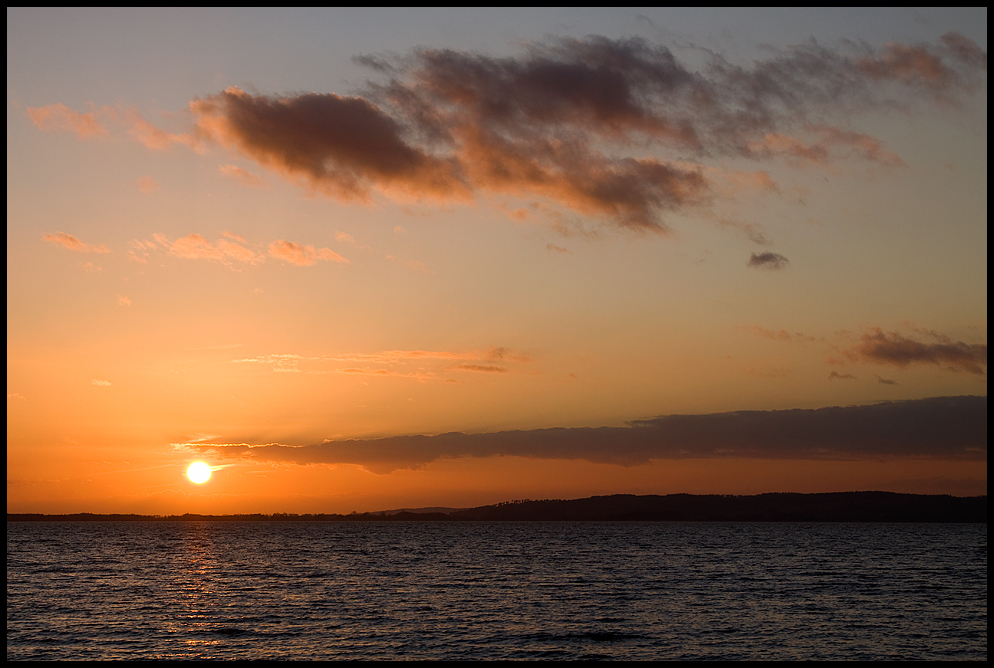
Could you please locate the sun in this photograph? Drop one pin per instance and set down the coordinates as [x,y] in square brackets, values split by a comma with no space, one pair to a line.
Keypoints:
[199,472]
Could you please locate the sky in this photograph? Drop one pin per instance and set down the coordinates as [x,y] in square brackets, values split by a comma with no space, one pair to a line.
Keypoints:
[370,259]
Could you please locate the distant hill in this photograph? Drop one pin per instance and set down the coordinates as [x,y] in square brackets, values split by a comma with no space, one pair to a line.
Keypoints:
[431,509]
[776,507]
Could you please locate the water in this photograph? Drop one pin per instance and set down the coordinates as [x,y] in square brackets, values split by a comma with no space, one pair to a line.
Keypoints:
[583,590]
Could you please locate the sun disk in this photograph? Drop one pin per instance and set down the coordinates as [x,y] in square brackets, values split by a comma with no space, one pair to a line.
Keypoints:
[199,472]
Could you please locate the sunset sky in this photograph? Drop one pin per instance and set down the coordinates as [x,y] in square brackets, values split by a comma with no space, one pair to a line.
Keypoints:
[373,259]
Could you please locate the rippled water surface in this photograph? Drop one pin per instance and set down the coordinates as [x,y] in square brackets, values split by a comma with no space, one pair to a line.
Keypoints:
[271,590]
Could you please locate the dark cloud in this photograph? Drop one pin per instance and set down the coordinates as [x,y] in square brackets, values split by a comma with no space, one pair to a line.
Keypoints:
[897,350]
[941,427]
[344,146]
[767,260]
[482,368]
[560,121]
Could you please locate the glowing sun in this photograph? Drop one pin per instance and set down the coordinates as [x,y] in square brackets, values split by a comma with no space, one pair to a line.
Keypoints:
[199,472]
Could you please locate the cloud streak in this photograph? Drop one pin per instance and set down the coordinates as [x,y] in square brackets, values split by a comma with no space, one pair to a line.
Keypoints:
[901,351]
[418,364]
[940,427]
[233,251]
[74,244]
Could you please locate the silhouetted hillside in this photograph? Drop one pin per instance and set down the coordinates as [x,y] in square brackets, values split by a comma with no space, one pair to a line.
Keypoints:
[782,507]
[778,507]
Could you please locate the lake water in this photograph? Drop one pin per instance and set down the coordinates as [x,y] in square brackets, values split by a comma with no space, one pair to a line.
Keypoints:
[577,590]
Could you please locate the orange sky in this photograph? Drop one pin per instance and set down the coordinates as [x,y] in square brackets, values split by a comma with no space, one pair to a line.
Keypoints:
[303,258]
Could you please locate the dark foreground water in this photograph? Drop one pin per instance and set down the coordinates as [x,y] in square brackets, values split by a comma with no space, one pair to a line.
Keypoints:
[271,590]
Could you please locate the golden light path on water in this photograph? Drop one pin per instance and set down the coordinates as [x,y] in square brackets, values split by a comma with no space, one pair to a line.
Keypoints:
[199,472]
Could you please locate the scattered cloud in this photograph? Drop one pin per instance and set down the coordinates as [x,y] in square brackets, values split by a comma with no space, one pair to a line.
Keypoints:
[196,247]
[123,301]
[74,244]
[558,122]
[300,255]
[767,260]
[96,124]
[940,427]
[60,117]
[90,268]
[835,375]
[100,383]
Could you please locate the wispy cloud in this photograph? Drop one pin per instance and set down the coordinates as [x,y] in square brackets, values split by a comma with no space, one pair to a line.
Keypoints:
[96,123]
[74,244]
[777,335]
[154,137]
[147,184]
[830,145]
[243,176]
[941,427]
[416,265]
[752,231]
